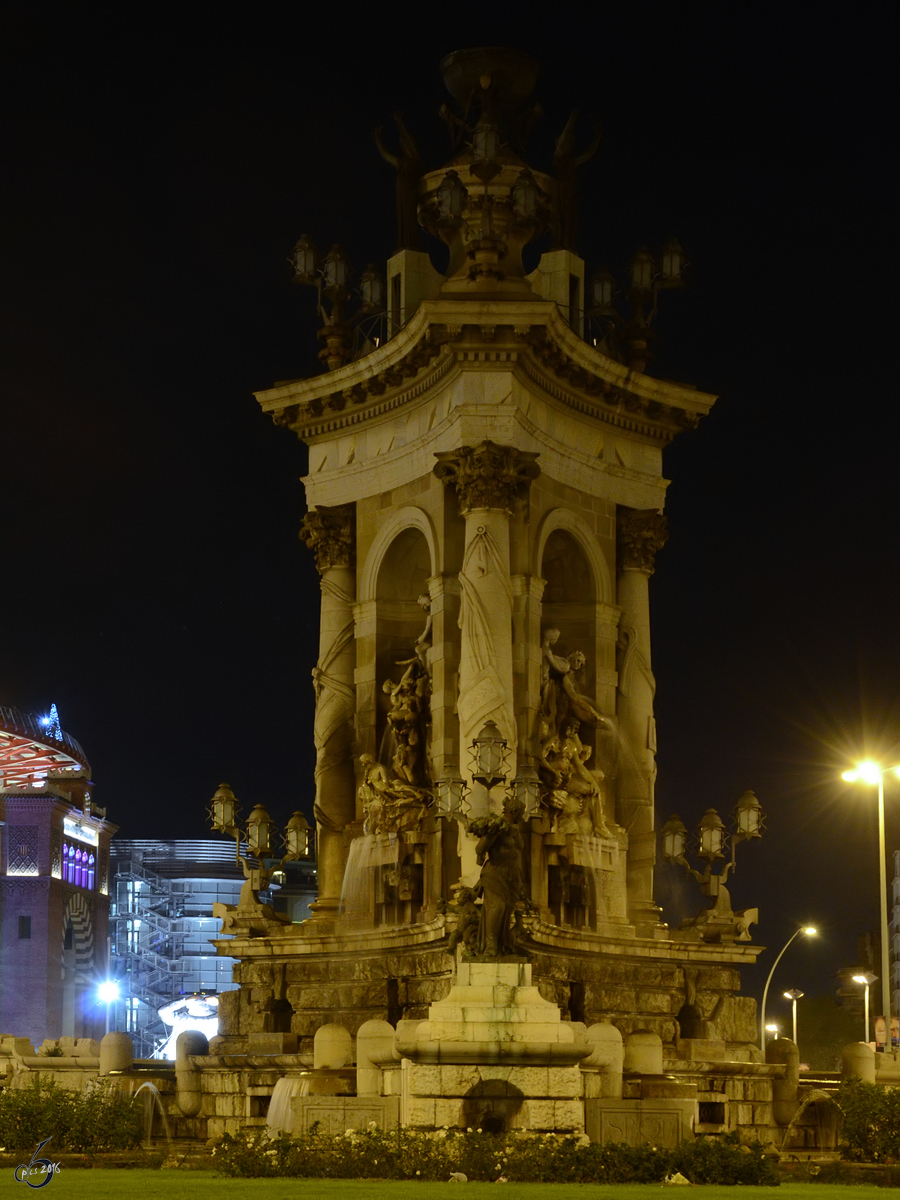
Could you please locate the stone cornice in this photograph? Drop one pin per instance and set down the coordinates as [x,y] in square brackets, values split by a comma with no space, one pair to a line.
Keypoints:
[528,335]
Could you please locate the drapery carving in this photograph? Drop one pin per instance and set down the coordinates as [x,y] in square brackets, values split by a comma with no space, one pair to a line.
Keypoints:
[641,533]
[486,607]
[487,475]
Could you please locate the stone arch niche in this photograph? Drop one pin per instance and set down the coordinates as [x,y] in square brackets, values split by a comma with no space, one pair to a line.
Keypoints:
[582,864]
[387,863]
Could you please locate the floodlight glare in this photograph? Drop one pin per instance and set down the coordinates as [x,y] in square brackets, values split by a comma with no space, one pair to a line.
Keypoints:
[108,991]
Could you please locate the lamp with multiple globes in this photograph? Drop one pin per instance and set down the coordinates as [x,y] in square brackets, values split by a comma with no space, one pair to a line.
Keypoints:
[873,773]
[344,336]
[224,811]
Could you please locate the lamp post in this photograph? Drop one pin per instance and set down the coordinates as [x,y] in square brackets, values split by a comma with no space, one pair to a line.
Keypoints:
[794,995]
[871,772]
[809,931]
[775,1028]
[865,978]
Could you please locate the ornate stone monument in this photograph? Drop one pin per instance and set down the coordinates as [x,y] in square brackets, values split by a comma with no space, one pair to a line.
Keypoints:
[488,466]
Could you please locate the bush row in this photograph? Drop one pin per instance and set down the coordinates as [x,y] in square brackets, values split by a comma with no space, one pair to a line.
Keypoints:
[537,1158]
[98,1118]
[871,1127]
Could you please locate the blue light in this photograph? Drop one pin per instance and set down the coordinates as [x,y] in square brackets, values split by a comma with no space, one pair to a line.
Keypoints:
[108,991]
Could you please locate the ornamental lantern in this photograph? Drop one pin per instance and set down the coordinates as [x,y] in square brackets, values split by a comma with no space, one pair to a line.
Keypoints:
[711,835]
[673,262]
[296,838]
[371,289]
[451,196]
[488,750]
[674,837]
[223,810]
[335,270]
[524,197]
[303,260]
[643,270]
[748,816]
[259,833]
[603,288]
[485,148]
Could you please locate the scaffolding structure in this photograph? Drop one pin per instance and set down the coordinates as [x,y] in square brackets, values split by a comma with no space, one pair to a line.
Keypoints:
[160,925]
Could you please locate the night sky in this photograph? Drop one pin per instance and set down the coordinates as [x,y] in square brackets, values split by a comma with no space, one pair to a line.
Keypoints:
[159,162]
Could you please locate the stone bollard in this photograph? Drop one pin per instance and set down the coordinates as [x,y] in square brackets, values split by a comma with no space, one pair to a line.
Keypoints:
[606,1058]
[374,1037]
[782,1051]
[332,1047]
[643,1053]
[858,1062]
[188,1092]
[116,1053]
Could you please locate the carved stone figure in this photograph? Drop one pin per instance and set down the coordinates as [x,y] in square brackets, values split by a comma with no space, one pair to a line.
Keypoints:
[566,164]
[561,700]
[406,164]
[502,884]
[389,805]
[408,720]
[467,920]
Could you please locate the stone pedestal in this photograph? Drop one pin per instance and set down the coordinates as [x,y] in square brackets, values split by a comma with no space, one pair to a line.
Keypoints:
[493,1055]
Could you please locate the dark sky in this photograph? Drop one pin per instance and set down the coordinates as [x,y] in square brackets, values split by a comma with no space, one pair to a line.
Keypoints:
[158,164]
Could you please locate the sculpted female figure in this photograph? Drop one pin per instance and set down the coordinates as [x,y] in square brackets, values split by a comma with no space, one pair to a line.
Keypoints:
[502,884]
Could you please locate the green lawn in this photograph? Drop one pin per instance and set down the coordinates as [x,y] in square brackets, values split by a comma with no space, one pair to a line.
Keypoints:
[205,1185]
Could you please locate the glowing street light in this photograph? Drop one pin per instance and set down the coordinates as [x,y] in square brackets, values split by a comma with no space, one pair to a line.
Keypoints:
[873,773]
[774,1028]
[808,931]
[108,993]
[865,978]
[794,995]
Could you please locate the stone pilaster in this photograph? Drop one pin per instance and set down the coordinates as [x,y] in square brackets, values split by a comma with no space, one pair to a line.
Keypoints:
[328,532]
[641,533]
[489,480]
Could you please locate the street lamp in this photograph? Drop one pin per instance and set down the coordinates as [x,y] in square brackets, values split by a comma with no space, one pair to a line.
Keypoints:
[809,931]
[108,993]
[871,772]
[774,1028]
[794,995]
[865,978]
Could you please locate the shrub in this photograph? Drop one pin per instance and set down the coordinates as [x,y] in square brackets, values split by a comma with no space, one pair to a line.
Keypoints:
[535,1158]
[99,1118]
[871,1128]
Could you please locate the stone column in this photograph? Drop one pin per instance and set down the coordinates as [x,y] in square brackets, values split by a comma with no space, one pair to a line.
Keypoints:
[329,534]
[489,480]
[641,532]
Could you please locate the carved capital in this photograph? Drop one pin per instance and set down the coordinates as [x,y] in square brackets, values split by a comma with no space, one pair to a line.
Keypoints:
[328,532]
[641,532]
[487,475]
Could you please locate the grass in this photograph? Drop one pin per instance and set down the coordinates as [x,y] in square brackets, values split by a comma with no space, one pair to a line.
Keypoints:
[206,1185]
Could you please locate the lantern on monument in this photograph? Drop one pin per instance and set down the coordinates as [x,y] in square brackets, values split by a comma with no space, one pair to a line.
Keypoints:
[525,197]
[643,270]
[371,289]
[674,839]
[223,810]
[451,196]
[603,288]
[335,270]
[450,792]
[303,260]
[296,838]
[259,833]
[485,148]
[672,264]
[488,751]
[748,817]
[711,835]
